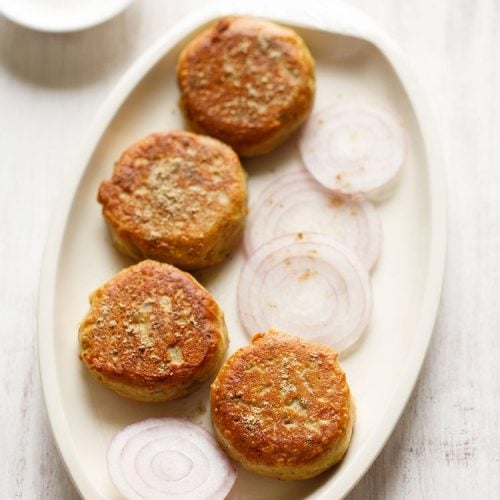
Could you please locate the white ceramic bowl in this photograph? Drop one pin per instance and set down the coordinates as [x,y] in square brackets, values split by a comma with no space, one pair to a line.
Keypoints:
[61,15]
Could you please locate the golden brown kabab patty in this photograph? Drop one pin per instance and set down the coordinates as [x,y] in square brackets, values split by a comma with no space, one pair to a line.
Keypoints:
[153,333]
[248,82]
[282,407]
[176,197]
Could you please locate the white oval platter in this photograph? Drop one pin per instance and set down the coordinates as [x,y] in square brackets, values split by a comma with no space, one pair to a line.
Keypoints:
[383,368]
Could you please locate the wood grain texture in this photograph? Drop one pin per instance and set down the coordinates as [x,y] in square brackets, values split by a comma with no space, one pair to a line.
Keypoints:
[447,444]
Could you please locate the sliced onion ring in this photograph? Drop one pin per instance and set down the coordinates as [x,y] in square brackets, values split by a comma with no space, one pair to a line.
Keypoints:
[168,458]
[295,202]
[353,148]
[307,285]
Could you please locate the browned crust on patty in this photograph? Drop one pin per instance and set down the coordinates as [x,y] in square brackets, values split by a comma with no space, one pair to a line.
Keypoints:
[152,333]
[247,82]
[176,197]
[282,407]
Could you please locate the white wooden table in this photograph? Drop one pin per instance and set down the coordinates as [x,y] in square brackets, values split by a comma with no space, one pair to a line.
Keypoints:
[447,444]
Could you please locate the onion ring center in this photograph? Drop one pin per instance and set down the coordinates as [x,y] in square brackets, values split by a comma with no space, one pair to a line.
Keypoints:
[171,465]
[349,145]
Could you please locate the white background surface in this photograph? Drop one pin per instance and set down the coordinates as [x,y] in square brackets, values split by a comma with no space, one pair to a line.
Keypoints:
[447,444]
